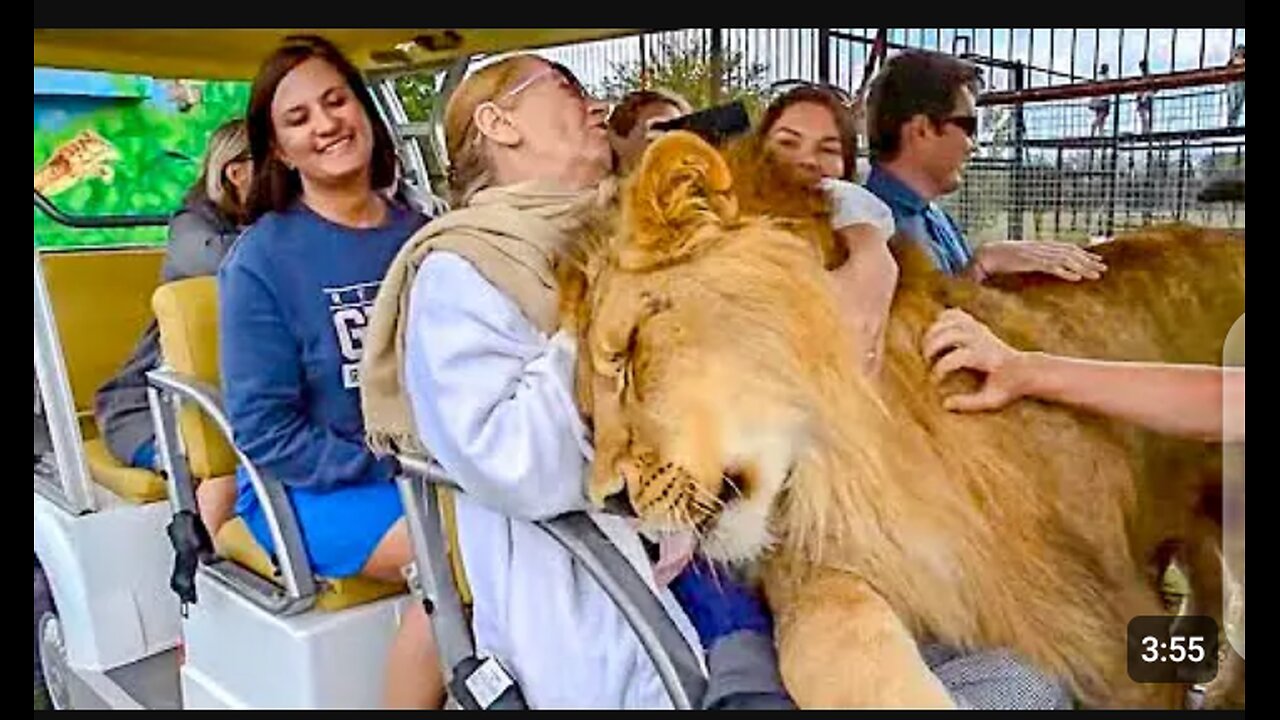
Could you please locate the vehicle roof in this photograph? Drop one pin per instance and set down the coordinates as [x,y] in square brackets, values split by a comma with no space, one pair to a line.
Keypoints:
[235,54]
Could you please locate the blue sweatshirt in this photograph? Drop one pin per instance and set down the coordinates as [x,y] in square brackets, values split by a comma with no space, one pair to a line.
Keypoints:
[295,294]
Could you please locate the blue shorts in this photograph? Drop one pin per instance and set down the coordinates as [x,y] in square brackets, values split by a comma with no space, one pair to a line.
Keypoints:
[340,527]
[145,457]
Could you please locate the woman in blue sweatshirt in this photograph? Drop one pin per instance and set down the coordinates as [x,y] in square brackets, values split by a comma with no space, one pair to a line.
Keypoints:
[294,296]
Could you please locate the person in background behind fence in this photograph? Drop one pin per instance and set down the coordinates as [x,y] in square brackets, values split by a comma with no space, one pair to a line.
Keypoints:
[1146,101]
[1101,105]
[1235,93]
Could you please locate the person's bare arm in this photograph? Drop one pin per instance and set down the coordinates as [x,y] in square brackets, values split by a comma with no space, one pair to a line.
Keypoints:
[1182,400]
[864,288]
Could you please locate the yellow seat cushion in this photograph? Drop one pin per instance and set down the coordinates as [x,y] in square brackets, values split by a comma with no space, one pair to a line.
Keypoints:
[235,542]
[187,312]
[133,484]
[99,300]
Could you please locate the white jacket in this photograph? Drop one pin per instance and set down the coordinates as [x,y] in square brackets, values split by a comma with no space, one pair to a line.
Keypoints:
[492,398]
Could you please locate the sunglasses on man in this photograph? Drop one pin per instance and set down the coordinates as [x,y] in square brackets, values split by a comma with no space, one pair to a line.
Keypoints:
[968,124]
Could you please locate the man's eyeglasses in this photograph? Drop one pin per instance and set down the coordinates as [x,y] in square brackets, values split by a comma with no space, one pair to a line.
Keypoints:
[968,124]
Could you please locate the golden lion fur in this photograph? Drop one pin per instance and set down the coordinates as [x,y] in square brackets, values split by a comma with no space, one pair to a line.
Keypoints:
[711,347]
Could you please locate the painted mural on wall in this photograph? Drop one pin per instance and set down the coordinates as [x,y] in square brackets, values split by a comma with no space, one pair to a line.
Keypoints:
[108,144]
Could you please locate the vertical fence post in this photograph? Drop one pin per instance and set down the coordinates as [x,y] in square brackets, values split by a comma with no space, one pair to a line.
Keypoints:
[1183,172]
[1113,175]
[644,60]
[716,77]
[824,55]
[1057,197]
[1019,137]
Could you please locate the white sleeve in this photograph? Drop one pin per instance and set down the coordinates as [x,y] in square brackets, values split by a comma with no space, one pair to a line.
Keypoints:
[853,204]
[492,397]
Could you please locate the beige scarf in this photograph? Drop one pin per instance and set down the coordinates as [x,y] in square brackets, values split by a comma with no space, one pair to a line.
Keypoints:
[512,235]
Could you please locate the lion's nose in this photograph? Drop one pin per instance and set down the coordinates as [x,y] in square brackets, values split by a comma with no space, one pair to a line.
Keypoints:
[619,503]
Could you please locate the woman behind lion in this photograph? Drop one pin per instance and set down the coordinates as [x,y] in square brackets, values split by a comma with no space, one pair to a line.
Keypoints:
[808,132]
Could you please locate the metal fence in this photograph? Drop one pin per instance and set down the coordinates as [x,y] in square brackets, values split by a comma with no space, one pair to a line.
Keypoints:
[1060,168]
[1096,166]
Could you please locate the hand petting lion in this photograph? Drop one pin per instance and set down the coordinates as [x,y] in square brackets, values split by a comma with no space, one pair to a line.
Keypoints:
[725,397]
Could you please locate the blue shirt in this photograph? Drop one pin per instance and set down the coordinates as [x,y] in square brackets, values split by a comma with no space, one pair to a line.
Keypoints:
[295,294]
[922,221]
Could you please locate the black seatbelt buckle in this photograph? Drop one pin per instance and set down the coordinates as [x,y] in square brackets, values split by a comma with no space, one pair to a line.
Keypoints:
[485,685]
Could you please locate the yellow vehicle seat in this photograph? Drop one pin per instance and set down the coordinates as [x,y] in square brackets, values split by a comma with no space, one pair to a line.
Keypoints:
[187,311]
[100,306]
[134,485]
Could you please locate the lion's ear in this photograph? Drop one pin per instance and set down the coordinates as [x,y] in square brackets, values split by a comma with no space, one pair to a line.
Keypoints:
[682,185]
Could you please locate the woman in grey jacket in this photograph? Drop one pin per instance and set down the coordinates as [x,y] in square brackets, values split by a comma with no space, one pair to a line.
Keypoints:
[200,234]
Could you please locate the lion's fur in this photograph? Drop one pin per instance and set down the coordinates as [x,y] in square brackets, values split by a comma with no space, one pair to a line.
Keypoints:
[1032,528]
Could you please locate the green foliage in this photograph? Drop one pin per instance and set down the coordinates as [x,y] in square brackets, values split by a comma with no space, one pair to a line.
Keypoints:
[685,68]
[419,95]
[160,152]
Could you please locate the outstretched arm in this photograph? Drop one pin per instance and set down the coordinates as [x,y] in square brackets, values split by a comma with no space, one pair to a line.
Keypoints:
[1181,400]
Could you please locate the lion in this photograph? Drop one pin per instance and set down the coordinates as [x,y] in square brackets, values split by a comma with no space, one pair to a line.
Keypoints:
[717,374]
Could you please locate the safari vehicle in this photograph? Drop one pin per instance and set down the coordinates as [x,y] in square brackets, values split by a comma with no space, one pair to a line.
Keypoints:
[143,613]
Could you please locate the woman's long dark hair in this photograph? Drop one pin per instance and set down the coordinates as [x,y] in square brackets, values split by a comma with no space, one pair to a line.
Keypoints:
[275,186]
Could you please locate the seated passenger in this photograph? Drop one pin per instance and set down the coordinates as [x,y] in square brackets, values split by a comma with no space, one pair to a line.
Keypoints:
[200,234]
[294,296]
[923,129]
[488,389]
[631,121]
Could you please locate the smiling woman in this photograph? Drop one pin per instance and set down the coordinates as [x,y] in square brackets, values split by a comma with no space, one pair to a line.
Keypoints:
[810,132]
[294,297]
[307,98]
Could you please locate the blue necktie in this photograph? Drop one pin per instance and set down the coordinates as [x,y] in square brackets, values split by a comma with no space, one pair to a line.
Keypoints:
[949,249]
